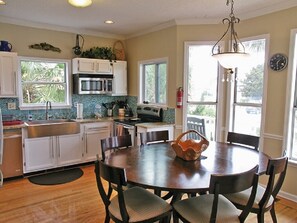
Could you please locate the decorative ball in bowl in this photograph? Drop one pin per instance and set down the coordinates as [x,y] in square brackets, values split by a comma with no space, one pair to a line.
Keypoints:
[189,149]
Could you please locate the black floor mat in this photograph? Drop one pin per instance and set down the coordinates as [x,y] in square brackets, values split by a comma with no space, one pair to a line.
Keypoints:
[59,177]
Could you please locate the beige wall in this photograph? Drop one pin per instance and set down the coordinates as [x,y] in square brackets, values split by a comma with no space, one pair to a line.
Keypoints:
[154,45]
[21,37]
[170,42]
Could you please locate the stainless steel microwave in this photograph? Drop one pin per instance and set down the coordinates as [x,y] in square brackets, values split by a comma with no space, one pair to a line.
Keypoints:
[92,84]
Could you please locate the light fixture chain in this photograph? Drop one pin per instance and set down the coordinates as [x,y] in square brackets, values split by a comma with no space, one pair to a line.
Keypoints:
[232,7]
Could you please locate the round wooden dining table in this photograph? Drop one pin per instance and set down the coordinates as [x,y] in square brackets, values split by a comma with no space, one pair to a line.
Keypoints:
[156,166]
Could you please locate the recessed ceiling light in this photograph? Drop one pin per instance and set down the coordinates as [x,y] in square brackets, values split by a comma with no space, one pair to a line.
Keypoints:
[108,21]
[80,3]
[2,2]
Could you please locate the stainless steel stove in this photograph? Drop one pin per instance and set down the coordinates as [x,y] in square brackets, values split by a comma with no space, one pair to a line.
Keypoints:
[145,113]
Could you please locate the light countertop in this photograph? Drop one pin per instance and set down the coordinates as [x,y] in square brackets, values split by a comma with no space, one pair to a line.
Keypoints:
[154,124]
[103,119]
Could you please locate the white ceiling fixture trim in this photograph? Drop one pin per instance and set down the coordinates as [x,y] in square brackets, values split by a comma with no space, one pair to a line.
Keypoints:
[80,3]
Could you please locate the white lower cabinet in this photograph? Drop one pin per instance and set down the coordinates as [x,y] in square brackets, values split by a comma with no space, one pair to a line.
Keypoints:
[92,135]
[44,153]
[51,152]
[38,154]
[69,149]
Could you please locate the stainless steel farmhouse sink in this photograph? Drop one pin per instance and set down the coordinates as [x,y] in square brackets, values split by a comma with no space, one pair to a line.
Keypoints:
[56,127]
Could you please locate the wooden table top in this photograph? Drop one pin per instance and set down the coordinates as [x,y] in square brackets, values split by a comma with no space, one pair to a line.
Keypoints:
[156,166]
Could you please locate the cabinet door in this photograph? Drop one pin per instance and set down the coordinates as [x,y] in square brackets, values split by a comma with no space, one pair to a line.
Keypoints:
[12,156]
[93,133]
[83,65]
[38,154]
[8,68]
[91,66]
[103,67]
[119,78]
[69,149]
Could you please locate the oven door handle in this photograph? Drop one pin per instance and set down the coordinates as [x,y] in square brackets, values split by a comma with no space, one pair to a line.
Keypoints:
[128,127]
[120,129]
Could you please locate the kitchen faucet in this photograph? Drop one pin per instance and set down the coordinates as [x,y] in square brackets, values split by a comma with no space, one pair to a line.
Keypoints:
[48,105]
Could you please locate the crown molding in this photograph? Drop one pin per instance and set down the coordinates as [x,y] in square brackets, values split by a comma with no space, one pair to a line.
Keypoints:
[13,21]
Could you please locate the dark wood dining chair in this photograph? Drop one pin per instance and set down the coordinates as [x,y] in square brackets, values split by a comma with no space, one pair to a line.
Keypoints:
[132,205]
[153,137]
[109,145]
[214,207]
[265,197]
[243,139]
[116,142]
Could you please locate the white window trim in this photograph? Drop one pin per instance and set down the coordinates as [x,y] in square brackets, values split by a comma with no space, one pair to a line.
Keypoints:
[140,79]
[291,81]
[219,119]
[41,106]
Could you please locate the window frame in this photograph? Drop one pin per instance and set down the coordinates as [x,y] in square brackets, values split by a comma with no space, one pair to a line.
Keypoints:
[141,91]
[291,96]
[219,103]
[68,100]
[231,92]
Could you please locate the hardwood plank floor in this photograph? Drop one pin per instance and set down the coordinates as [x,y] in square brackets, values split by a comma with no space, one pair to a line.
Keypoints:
[78,202]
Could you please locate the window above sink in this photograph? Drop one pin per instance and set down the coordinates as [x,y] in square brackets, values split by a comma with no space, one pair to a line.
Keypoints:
[41,80]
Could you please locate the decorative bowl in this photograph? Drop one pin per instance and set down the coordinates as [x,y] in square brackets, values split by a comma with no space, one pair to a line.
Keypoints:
[189,149]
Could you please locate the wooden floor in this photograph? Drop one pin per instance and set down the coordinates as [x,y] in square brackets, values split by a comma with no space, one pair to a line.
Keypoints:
[78,202]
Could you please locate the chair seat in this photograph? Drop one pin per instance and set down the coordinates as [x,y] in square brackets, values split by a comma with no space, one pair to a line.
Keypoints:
[141,205]
[242,197]
[198,209]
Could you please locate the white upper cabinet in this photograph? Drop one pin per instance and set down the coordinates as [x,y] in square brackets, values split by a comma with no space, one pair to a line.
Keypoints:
[8,74]
[119,86]
[91,66]
[96,66]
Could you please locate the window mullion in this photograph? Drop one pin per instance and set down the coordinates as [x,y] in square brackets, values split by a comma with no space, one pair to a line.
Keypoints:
[157,90]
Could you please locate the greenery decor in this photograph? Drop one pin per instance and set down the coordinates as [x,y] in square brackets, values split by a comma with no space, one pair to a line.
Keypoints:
[45,46]
[105,53]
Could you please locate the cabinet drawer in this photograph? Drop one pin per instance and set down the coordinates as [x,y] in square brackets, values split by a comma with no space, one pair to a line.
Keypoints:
[99,126]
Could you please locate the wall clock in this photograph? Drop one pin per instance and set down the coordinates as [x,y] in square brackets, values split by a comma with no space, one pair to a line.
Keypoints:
[278,62]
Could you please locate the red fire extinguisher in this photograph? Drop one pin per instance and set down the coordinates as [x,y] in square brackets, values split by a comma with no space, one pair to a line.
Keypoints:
[179,97]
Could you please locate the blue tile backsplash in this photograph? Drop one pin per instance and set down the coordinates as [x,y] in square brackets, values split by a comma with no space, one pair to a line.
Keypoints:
[89,108]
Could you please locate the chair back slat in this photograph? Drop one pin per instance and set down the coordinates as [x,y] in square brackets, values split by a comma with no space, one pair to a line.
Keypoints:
[154,136]
[115,142]
[197,124]
[244,139]
[113,174]
[232,183]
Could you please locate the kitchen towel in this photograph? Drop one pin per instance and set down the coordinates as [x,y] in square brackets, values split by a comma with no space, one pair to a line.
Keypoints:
[79,112]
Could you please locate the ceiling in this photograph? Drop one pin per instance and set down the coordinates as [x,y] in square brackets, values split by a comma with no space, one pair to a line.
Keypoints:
[131,17]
